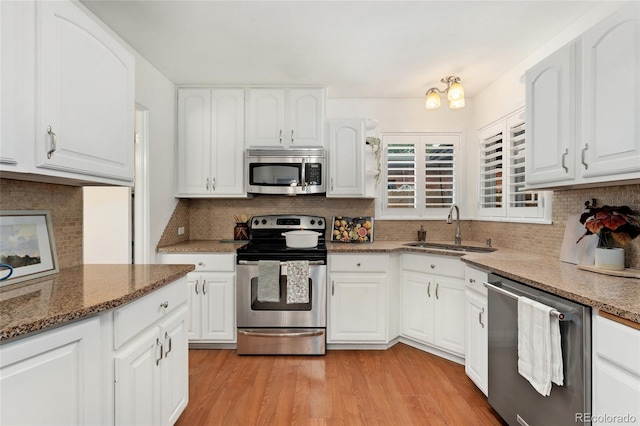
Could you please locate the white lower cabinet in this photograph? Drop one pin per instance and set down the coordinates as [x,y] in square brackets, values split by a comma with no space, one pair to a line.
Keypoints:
[476,361]
[53,378]
[357,299]
[616,372]
[433,303]
[151,374]
[211,295]
[212,303]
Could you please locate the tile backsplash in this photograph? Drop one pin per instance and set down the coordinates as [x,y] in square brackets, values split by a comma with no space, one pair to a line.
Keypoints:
[65,204]
[206,219]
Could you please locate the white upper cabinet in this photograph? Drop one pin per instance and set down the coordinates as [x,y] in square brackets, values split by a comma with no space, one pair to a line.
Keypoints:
[210,149]
[85,95]
[68,106]
[285,117]
[346,158]
[611,96]
[551,117]
[588,133]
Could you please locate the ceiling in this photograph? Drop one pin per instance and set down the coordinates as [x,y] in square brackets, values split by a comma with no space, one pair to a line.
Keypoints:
[359,49]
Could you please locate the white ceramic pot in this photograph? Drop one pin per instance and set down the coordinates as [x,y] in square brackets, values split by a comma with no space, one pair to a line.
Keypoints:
[301,239]
[610,258]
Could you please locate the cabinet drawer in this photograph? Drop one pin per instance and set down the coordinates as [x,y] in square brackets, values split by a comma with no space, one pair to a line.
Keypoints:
[202,261]
[618,343]
[435,265]
[140,314]
[359,262]
[474,278]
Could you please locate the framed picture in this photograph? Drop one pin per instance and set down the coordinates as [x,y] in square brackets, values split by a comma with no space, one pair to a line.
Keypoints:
[27,246]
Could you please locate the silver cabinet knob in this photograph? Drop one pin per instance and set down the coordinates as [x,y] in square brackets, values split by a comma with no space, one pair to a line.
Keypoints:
[164,304]
[472,281]
[358,264]
[433,266]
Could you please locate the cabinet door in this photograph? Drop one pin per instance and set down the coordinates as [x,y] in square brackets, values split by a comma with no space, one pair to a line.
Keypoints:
[418,296]
[194,322]
[357,308]
[346,158]
[305,117]
[551,118]
[476,356]
[227,142]
[193,162]
[449,315]
[611,95]
[218,307]
[137,377]
[174,382]
[266,115]
[53,378]
[85,97]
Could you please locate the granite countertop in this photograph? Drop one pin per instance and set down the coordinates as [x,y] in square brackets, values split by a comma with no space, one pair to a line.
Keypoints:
[203,246]
[78,292]
[615,295]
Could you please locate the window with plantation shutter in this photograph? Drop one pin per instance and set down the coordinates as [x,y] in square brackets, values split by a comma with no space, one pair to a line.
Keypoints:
[491,163]
[420,172]
[502,192]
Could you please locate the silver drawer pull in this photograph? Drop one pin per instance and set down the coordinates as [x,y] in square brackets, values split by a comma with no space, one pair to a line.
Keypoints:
[584,150]
[480,317]
[564,159]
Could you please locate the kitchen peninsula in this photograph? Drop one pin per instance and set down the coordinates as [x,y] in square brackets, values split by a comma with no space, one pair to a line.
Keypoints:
[67,338]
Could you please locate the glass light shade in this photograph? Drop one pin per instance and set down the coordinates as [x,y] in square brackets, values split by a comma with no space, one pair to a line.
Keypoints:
[458,103]
[456,91]
[433,100]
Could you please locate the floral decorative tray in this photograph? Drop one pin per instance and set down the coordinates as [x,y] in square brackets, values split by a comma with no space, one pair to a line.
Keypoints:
[352,229]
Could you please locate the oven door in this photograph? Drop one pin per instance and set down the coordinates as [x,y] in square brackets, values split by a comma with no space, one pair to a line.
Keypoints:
[252,313]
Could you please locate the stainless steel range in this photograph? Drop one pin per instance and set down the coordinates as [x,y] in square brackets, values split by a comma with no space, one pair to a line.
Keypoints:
[278,311]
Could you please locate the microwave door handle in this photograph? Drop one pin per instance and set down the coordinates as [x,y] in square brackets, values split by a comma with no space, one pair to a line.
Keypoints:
[304,173]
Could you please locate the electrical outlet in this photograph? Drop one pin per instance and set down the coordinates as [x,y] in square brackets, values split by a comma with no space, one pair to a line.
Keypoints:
[589,202]
[180,230]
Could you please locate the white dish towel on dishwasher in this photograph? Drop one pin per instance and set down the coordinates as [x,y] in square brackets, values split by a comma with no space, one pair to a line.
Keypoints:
[539,346]
[298,281]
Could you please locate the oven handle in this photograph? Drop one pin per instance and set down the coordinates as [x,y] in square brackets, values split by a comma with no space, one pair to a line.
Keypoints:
[255,262]
[294,334]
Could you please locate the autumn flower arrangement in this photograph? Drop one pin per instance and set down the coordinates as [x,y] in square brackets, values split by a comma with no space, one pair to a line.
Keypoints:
[611,224]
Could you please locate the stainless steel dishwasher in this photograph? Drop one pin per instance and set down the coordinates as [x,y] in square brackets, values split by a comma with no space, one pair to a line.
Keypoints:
[510,394]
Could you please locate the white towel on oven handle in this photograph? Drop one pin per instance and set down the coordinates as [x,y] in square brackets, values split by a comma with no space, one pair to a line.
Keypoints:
[297,281]
[539,346]
[268,281]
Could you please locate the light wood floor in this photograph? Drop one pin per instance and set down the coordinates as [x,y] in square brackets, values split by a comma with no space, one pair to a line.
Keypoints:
[399,386]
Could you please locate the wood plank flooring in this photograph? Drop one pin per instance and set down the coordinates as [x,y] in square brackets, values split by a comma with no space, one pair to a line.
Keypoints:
[399,386]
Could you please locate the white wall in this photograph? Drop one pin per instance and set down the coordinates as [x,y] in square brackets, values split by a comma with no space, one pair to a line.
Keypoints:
[156,94]
[106,224]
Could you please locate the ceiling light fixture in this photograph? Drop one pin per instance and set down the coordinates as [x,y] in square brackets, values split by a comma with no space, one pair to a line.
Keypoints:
[454,91]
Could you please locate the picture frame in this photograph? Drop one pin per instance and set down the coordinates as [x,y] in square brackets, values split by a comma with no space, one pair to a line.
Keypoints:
[27,245]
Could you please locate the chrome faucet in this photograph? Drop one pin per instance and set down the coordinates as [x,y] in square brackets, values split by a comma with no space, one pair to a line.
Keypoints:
[458,238]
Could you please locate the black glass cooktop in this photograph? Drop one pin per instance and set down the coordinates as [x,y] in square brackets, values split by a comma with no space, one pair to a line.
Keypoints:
[278,250]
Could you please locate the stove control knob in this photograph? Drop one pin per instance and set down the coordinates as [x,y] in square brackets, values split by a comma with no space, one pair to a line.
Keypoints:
[264,221]
[255,222]
[319,223]
[313,222]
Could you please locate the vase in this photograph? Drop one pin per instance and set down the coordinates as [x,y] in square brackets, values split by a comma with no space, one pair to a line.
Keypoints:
[610,258]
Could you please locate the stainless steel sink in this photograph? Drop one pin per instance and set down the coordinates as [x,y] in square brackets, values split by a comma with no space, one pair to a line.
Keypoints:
[451,247]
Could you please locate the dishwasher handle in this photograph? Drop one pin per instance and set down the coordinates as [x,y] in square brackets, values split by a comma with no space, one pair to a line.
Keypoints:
[554,312]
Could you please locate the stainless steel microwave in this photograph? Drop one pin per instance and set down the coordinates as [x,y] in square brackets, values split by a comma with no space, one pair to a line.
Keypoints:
[295,171]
